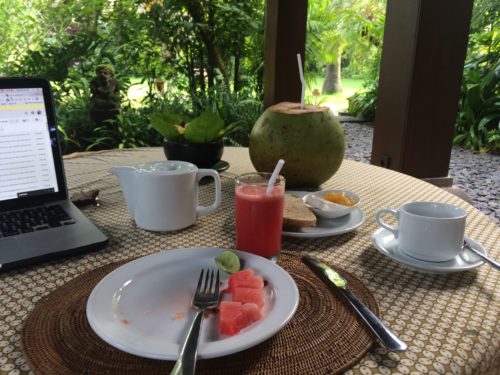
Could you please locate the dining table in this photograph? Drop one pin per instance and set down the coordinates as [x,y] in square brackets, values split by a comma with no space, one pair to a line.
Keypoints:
[449,316]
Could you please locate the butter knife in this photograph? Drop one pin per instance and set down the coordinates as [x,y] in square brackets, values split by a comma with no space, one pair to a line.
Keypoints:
[384,333]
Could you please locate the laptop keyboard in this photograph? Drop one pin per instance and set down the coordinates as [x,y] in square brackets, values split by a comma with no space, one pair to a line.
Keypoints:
[31,219]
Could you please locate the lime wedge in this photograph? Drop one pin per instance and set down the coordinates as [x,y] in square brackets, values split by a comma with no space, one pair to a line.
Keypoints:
[228,261]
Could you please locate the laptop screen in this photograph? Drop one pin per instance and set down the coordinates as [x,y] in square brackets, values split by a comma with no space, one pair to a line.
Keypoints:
[30,165]
[26,160]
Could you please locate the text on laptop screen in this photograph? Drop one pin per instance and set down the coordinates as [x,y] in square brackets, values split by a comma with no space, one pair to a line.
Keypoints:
[26,160]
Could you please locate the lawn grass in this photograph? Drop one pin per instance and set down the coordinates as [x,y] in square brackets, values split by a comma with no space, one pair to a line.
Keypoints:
[337,102]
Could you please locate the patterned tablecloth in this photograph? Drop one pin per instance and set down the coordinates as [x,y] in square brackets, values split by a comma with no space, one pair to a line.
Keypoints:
[450,322]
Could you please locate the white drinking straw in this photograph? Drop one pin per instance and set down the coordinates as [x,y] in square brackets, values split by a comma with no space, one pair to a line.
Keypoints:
[275,174]
[302,81]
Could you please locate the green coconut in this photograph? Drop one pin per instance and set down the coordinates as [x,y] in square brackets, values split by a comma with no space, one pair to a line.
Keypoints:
[309,139]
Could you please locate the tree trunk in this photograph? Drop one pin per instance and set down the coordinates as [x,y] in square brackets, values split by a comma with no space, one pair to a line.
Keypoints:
[195,10]
[236,79]
[210,75]
[191,73]
[201,77]
[331,84]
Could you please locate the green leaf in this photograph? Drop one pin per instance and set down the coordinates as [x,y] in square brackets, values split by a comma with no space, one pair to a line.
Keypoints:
[164,124]
[459,138]
[473,96]
[205,128]
[486,120]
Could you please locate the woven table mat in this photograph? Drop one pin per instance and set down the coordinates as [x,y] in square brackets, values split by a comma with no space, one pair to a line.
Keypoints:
[324,336]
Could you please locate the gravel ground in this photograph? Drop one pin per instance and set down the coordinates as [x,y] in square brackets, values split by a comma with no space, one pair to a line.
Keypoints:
[477,174]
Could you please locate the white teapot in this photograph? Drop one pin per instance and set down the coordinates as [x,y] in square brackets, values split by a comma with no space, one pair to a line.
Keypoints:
[163,195]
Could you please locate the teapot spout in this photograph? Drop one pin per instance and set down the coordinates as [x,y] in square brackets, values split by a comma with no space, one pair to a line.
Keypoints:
[126,175]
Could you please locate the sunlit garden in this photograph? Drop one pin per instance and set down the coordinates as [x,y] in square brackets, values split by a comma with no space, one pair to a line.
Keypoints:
[184,56]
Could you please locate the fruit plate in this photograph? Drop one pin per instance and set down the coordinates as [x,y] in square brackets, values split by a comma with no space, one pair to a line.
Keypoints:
[143,307]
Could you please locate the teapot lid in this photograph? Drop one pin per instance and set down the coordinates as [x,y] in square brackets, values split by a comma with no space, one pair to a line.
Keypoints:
[167,167]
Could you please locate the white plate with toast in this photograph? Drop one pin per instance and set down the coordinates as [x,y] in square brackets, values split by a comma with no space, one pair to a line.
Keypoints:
[326,227]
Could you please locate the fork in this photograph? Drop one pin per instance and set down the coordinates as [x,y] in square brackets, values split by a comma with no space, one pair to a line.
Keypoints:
[206,296]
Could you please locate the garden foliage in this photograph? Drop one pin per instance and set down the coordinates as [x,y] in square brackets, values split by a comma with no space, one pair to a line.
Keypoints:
[478,120]
[344,35]
[206,52]
[209,53]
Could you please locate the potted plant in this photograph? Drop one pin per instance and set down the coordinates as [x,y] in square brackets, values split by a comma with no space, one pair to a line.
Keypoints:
[196,140]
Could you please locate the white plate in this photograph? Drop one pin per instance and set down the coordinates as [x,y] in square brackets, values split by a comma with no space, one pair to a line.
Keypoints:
[327,227]
[384,241]
[143,307]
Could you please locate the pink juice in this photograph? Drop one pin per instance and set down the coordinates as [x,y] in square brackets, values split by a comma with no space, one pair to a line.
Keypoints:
[259,219]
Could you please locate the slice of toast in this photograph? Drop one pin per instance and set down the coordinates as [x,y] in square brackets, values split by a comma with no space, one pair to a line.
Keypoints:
[297,214]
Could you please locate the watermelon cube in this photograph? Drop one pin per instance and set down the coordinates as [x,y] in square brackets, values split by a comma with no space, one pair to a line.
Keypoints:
[230,317]
[248,295]
[251,311]
[234,316]
[245,278]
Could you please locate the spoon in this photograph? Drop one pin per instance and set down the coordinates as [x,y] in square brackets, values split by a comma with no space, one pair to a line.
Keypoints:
[493,263]
[322,204]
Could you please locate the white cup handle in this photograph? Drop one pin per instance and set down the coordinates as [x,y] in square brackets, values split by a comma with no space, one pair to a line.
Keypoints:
[203,210]
[383,224]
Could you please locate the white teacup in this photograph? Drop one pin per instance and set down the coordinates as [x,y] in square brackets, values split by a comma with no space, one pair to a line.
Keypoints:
[163,196]
[429,231]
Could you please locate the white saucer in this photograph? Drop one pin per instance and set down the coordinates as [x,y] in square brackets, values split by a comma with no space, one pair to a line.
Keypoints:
[384,241]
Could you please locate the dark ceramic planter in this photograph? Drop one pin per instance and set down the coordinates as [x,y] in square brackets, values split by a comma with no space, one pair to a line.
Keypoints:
[203,155]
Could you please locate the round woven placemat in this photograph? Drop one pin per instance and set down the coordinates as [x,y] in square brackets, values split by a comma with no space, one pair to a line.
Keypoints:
[325,336]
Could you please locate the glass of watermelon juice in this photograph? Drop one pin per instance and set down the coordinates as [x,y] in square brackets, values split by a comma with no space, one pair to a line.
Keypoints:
[259,216]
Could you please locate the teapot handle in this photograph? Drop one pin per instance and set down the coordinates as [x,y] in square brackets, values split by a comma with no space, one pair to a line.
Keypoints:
[203,210]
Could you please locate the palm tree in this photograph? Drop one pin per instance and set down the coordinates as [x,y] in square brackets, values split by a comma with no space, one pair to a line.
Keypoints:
[335,26]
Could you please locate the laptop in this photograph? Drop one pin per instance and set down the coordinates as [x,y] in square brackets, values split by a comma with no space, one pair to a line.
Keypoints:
[37,219]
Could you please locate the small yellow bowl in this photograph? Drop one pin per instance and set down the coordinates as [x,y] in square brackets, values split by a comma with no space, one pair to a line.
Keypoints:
[329,210]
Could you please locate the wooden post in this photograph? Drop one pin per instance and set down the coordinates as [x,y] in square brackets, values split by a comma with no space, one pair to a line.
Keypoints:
[425,44]
[286,22]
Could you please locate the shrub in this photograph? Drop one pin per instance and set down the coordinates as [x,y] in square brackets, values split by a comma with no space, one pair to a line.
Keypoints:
[79,132]
[72,104]
[478,120]
[130,129]
[239,110]
[364,103]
